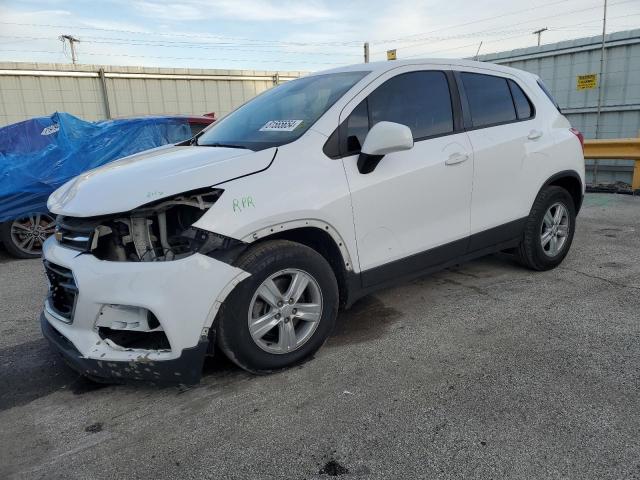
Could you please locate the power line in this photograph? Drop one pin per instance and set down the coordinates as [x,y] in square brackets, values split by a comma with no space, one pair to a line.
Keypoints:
[278,42]
[554,16]
[182,58]
[216,47]
[188,35]
[169,44]
[522,23]
[474,21]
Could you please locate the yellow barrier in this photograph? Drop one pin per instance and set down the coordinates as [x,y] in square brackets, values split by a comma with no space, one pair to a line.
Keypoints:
[618,148]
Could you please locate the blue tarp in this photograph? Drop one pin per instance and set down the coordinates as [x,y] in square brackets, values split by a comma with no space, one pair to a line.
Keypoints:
[39,155]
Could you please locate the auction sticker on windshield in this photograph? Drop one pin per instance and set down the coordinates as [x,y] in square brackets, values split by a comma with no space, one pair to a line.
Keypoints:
[281,125]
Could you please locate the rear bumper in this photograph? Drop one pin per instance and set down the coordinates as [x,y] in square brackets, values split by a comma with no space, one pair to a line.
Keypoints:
[185,369]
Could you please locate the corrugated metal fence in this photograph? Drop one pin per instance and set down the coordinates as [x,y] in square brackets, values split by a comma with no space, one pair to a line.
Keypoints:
[561,64]
[95,93]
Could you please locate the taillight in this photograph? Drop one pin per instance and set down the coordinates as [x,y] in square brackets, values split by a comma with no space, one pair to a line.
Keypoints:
[578,134]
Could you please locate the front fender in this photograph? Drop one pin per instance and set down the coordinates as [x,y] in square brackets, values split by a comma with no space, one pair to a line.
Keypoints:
[291,193]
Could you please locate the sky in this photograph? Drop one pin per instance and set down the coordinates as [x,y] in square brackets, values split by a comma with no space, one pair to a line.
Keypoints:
[290,35]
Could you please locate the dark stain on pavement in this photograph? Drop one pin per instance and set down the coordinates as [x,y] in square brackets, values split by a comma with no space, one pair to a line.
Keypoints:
[94,428]
[84,385]
[615,265]
[368,319]
[333,469]
[30,371]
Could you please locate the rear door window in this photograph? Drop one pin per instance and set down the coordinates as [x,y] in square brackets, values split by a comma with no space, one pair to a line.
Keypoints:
[489,99]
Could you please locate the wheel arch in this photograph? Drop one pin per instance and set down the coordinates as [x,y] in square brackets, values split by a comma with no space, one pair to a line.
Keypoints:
[322,238]
[571,181]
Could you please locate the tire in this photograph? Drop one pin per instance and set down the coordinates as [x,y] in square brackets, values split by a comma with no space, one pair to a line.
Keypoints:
[44,227]
[271,346]
[533,252]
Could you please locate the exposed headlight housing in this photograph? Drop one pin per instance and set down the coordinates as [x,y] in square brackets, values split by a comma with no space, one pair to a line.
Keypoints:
[158,231]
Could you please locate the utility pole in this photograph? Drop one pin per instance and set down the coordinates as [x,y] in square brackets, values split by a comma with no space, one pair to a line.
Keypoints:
[366,52]
[600,82]
[539,33]
[478,51]
[72,40]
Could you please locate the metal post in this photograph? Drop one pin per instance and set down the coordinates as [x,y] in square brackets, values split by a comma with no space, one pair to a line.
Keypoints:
[478,51]
[600,89]
[72,40]
[105,94]
[366,52]
[539,33]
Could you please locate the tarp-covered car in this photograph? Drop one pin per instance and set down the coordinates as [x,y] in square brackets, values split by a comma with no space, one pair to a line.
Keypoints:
[39,155]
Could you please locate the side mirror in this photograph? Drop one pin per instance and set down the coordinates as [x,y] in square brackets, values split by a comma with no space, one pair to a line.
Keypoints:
[383,138]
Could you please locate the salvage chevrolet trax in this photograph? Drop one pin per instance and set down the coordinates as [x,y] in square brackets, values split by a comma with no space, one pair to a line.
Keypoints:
[251,237]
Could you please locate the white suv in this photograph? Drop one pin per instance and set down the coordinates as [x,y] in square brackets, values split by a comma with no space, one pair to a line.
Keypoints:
[251,236]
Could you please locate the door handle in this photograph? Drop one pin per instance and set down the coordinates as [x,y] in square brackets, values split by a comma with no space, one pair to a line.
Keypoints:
[457,157]
[534,134]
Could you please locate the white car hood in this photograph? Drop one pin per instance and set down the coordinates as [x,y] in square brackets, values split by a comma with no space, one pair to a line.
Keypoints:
[162,172]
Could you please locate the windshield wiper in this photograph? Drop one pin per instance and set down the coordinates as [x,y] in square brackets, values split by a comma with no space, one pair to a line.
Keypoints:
[223,145]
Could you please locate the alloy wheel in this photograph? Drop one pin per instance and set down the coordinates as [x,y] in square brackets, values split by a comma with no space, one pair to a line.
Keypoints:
[285,311]
[28,233]
[554,229]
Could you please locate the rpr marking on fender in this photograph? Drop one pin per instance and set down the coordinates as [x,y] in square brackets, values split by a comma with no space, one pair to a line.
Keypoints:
[243,203]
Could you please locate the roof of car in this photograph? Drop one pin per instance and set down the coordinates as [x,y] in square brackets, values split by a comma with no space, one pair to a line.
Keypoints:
[380,67]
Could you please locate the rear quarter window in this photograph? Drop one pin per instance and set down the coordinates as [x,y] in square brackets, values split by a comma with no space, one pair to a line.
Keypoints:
[546,91]
[524,107]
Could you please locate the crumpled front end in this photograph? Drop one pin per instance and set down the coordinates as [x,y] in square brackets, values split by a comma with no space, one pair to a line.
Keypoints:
[132,320]
[133,295]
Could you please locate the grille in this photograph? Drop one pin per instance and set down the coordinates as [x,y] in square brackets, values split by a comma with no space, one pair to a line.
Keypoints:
[62,290]
[75,233]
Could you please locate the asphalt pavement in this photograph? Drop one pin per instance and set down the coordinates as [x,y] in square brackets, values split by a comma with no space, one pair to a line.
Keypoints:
[485,370]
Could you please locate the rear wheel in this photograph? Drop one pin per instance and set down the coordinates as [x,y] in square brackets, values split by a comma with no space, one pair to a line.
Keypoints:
[283,312]
[24,236]
[549,230]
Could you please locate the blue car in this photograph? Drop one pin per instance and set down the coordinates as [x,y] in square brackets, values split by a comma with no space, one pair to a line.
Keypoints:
[39,155]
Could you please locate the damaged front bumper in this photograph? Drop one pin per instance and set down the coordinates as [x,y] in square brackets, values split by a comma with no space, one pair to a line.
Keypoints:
[186,369]
[148,321]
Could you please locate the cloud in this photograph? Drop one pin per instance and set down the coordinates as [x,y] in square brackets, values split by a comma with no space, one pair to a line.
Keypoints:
[296,11]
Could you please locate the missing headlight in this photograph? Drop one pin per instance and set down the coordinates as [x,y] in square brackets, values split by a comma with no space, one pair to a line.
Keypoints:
[159,231]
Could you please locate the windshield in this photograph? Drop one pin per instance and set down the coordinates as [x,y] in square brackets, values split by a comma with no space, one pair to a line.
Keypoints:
[280,115]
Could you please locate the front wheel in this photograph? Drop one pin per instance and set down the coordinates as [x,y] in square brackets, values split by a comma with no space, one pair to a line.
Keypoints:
[549,230]
[283,312]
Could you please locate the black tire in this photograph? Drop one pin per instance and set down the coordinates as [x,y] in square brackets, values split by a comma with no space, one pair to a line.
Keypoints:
[262,261]
[530,252]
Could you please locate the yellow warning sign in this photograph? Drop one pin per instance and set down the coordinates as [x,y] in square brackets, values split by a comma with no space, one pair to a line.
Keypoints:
[585,82]
[391,54]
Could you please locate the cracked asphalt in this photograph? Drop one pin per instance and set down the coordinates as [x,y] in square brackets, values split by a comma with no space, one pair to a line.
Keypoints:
[485,370]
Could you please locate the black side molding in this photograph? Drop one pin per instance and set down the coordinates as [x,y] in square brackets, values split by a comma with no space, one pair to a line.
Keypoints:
[477,245]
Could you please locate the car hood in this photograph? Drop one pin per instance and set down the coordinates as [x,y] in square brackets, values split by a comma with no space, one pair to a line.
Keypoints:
[159,173]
